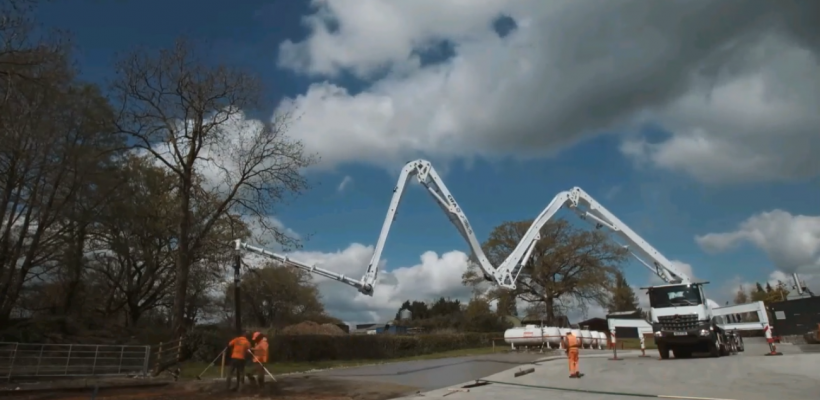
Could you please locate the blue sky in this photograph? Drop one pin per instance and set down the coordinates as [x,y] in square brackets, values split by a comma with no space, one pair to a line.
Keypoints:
[667,202]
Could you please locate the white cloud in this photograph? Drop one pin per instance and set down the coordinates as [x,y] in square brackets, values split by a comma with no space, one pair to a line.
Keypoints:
[261,234]
[739,93]
[434,276]
[684,268]
[346,181]
[791,242]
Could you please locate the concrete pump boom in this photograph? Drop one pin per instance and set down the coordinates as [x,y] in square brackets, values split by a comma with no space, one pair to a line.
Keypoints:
[506,274]
[239,245]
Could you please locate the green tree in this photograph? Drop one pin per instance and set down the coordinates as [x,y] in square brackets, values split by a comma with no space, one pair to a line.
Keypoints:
[478,317]
[741,297]
[507,305]
[278,296]
[623,297]
[770,294]
[418,309]
[568,267]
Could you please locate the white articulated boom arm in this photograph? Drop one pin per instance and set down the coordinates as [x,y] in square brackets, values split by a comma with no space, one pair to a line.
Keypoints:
[239,245]
[506,274]
[588,209]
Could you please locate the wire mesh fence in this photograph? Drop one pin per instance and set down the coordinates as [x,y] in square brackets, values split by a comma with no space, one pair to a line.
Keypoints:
[28,360]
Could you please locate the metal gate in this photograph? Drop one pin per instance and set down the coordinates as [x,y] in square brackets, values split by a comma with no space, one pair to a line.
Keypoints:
[28,360]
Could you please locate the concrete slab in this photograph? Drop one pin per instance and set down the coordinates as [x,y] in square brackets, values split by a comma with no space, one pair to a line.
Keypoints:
[747,376]
[434,374]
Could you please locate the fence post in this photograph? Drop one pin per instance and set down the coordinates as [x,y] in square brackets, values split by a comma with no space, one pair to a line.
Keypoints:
[179,358]
[94,365]
[614,347]
[122,352]
[179,350]
[159,357]
[147,361]
[39,359]
[68,359]
[13,359]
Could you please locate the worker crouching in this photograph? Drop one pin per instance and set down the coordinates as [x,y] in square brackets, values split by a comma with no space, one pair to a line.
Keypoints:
[573,344]
[239,353]
[260,354]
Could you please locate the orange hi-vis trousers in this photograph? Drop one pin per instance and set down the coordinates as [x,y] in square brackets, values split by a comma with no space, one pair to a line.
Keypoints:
[572,356]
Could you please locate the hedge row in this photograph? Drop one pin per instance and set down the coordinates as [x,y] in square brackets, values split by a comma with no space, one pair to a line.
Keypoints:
[205,345]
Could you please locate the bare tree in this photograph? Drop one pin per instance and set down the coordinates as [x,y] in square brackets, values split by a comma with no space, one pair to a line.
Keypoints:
[54,136]
[189,116]
[569,267]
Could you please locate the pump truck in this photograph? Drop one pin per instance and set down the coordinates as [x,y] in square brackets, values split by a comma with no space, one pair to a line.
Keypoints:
[682,318]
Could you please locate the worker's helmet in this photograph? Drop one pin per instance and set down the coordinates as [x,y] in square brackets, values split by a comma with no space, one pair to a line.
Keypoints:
[256,335]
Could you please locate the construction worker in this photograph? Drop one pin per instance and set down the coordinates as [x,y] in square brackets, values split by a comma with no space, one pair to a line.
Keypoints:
[260,351]
[572,344]
[239,352]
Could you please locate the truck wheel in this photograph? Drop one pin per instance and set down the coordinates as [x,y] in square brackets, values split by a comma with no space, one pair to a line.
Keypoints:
[724,349]
[663,350]
[715,348]
[682,353]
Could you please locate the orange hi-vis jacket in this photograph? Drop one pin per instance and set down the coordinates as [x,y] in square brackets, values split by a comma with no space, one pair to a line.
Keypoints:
[572,342]
[261,350]
[241,345]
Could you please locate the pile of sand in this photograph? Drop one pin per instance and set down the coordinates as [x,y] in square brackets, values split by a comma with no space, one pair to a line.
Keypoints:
[312,328]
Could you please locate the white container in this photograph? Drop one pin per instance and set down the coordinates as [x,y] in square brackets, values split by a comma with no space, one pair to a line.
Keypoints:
[596,339]
[577,333]
[601,339]
[552,336]
[530,335]
[586,338]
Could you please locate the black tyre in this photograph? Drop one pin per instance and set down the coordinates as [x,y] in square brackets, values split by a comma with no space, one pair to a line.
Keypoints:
[663,350]
[715,347]
[682,353]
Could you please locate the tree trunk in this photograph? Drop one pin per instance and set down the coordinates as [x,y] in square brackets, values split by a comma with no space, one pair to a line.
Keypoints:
[183,261]
[549,305]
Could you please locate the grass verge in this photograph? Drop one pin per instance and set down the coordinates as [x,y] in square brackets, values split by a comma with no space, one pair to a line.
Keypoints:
[190,370]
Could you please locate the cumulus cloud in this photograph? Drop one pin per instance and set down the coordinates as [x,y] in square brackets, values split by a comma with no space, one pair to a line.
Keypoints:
[684,268]
[735,82]
[261,230]
[791,242]
[434,276]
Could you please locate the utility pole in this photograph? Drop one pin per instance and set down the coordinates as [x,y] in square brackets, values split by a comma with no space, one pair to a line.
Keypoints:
[237,265]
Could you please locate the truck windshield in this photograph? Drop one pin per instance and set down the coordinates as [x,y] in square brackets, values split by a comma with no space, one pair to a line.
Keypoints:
[674,296]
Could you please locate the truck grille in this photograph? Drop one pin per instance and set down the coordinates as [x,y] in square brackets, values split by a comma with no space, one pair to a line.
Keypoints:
[678,322]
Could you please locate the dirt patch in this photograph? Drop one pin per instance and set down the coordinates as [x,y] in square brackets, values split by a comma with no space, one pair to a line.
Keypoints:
[287,388]
[312,328]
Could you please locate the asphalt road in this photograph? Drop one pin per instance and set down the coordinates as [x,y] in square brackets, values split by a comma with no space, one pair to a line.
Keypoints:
[434,374]
[747,376]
